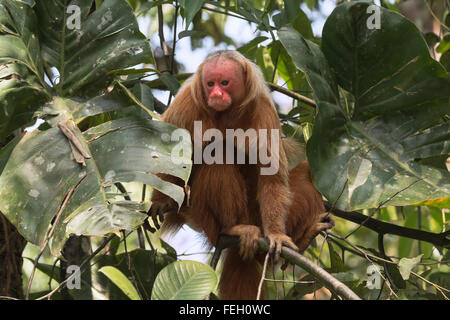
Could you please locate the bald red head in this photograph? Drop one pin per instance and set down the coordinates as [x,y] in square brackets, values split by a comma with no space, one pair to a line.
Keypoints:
[223,82]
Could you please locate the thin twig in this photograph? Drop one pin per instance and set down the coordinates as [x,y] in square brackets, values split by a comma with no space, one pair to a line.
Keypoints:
[439,288]
[148,240]
[263,276]
[172,63]
[224,13]
[127,197]
[51,275]
[434,16]
[50,234]
[367,255]
[172,60]
[291,94]
[382,204]
[290,281]
[63,283]
[162,39]
[7,298]
[385,265]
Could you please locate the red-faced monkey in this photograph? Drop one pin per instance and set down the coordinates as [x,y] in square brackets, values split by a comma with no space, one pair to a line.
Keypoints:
[228,92]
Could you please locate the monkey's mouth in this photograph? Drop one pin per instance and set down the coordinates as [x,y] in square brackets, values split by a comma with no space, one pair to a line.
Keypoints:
[219,105]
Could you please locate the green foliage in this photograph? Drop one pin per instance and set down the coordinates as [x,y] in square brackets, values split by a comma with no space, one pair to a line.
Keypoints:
[368,154]
[184,280]
[377,137]
[44,168]
[191,8]
[121,281]
[22,83]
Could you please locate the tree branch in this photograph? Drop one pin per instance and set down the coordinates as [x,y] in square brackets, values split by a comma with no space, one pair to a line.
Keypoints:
[334,285]
[162,39]
[291,94]
[437,239]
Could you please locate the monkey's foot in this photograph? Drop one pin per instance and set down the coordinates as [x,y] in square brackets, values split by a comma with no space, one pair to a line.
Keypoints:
[248,239]
[276,240]
[325,222]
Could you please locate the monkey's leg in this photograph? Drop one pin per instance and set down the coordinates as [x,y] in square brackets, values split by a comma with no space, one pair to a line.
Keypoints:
[248,239]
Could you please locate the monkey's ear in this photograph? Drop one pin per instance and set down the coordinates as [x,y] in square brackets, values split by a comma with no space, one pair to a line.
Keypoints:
[254,81]
[197,92]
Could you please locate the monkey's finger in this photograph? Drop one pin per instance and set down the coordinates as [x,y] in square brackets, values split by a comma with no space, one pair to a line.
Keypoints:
[247,247]
[277,251]
[245,252]
[274,248]
[276,242]
[290,244]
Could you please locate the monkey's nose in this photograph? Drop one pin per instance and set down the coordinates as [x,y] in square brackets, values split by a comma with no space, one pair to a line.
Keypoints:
[216,92]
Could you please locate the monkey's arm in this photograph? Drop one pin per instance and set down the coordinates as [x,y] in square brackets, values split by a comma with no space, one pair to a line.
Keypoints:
[273,193]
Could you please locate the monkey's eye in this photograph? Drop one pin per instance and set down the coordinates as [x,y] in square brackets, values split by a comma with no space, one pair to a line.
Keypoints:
[210,83]
[224,82]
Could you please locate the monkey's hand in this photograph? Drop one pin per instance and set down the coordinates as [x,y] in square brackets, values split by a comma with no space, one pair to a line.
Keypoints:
[159,207]
[248,239]
[276,240]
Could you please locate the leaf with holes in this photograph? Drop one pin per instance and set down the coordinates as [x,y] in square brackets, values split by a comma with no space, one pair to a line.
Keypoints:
[83,53]
[41,172]
[22,85]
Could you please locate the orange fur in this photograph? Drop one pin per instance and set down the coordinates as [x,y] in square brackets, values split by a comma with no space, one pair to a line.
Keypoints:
[234,198]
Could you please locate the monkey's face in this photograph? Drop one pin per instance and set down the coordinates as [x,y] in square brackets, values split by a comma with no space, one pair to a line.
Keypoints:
[223,83]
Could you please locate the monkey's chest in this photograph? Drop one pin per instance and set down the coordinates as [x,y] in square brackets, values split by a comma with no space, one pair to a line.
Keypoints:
[224,190]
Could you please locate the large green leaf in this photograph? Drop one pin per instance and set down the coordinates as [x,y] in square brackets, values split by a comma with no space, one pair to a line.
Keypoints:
[191,7]
[108,39]
[22,85]
[60,108]
[62,176]
[121,281]
[42,170]
[368,154]
[184,280]
[5,152]
[146,265]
